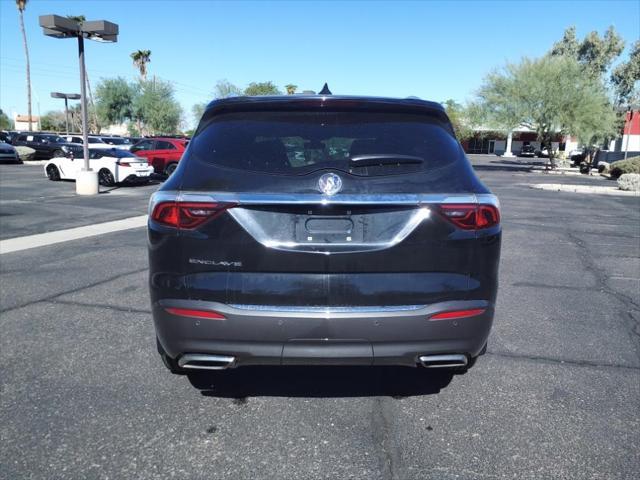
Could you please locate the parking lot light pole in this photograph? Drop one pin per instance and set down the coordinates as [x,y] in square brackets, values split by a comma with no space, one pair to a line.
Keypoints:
[102,31]
[67,97]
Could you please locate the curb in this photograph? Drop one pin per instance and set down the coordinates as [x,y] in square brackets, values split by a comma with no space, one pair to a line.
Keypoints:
[561,187]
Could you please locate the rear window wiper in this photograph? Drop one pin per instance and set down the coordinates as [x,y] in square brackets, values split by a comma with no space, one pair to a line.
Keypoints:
[383,159]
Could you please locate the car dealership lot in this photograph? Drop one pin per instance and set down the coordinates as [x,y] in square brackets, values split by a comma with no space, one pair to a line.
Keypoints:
[84,394]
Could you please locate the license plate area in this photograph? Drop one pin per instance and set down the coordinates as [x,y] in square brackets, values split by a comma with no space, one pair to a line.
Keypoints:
[328,230]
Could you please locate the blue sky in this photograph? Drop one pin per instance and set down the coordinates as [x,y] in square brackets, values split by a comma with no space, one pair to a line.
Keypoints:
[435,50]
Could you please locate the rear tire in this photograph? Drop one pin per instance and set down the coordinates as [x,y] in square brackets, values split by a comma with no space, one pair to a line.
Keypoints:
[105,177]
[170,169]
[53,173]
[170,363]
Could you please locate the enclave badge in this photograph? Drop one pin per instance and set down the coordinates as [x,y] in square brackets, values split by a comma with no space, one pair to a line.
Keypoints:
[330,184]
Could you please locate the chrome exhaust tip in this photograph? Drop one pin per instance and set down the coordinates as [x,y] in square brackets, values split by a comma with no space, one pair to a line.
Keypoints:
[200,361]
[444,361]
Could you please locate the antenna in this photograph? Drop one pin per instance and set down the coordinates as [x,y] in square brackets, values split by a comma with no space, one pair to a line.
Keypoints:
[325,90]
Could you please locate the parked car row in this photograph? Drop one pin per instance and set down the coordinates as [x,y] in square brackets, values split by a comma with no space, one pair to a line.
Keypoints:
[10,136]
[47,145]
[163,153]
[117,165]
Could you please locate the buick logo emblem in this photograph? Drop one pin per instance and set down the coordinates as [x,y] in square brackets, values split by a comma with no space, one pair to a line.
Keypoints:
[330,184]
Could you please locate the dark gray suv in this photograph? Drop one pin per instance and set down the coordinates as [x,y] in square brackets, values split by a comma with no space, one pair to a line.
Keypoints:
[315,230]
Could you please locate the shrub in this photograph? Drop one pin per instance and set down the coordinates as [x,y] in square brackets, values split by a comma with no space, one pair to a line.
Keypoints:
[604,167]
[631,165]
[25,153]
[630,182]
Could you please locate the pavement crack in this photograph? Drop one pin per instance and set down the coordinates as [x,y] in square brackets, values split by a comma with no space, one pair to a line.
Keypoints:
[99,305]
[560,361]
[629,303]
[73,290]
[381,424]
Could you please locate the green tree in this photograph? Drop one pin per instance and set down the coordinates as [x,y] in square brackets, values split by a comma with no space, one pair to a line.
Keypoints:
[594,53]
[22,4]
[156,108]
[262,88]
[291,88]
[115,99]
[5,121]
[462,124]
[550,95]
[140,59]
[225,89]
[198,110]
[53,120]
[626,77]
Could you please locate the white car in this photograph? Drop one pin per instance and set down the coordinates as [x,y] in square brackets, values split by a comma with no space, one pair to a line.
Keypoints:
[94,142]
[113,166]
[118,142]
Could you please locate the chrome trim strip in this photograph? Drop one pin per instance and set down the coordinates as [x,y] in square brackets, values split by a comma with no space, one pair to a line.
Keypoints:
[368,309]
[244,217]
[488,199]
[369,312]
[338,199]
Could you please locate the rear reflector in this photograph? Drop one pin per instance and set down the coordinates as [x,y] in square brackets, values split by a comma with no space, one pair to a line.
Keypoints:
[188,312]
[471,216]
[187,216]
[457,314]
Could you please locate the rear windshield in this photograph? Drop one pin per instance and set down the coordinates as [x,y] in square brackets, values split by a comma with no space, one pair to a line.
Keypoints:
[295,143]
[110,152]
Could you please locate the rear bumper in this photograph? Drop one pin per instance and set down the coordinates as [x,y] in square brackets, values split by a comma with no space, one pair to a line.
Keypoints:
[132,175]
[263,335]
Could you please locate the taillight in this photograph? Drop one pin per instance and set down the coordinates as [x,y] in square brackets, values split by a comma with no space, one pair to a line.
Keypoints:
[471,216]
[187,215]
[124,164]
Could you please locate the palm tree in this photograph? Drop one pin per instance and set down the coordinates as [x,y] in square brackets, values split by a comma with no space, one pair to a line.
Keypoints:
[140,60]
[291,89]
[22,4]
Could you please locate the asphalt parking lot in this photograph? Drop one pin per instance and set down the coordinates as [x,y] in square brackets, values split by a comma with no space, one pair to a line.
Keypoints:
[84,394]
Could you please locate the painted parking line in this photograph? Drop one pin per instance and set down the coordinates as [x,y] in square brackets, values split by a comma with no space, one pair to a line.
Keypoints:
[43,239]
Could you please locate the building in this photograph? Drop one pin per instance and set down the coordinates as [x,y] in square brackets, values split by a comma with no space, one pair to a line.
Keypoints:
[116,129]
[630,139]
[491,142]
[495,143]
[21,122]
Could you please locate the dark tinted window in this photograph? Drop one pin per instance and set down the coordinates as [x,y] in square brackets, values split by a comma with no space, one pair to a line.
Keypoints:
[52,138]
[162,145]
[300,142]
[144,145]
[116,140]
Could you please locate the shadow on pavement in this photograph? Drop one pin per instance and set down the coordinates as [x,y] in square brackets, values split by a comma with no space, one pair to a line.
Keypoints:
[506,166]
[132,185]
[318,382]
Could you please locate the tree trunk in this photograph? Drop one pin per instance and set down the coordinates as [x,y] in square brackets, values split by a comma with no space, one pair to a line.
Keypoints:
[26,54]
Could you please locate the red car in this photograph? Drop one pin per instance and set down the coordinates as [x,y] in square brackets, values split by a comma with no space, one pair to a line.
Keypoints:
[162,153]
